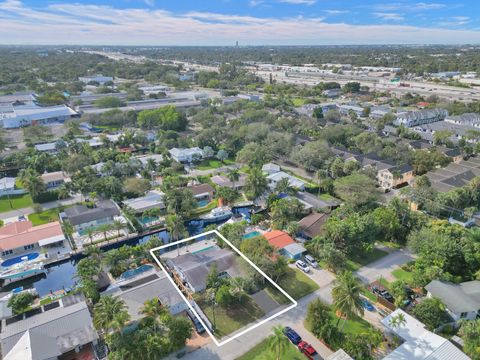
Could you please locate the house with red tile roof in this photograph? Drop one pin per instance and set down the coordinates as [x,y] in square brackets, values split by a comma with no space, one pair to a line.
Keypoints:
[285,245]
[22,237]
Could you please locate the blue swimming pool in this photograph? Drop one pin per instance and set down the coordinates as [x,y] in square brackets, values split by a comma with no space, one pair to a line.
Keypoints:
[202,203]
[18,259]
[251,234]
[130,273]
[202,250]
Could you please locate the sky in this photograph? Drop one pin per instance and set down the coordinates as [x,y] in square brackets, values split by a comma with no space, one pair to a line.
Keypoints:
[250,22]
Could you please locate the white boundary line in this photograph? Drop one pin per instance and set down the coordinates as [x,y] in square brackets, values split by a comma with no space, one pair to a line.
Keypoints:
[152,252]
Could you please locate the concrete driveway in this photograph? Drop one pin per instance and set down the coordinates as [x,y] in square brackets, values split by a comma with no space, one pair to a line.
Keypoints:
[383,267]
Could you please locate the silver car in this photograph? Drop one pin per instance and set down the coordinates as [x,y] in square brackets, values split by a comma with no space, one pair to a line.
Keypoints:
[310,261]
[302,266]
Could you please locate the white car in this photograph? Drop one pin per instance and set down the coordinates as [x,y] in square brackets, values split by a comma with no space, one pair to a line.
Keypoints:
[310,261]
[302,266]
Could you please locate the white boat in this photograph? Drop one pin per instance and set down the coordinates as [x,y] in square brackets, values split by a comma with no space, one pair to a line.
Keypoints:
[21,271]
[217,214]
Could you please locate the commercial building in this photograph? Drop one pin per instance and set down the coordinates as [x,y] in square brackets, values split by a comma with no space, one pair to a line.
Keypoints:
[418,342]
[95,78]
[420,117]
[15,116]
[462,301]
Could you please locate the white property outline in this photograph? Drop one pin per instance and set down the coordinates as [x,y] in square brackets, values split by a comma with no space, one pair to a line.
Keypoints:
[152,252]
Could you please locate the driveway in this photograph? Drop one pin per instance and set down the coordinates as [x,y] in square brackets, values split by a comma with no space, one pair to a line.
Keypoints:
[383,267]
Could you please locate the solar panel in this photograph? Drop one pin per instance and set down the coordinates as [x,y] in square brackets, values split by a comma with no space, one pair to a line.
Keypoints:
[139,282]
[51,306]
[33,312]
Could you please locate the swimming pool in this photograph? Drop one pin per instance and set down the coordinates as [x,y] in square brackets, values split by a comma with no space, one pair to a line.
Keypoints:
[202,250]
[251,234]
[18,259]
[202,203]
[134,272]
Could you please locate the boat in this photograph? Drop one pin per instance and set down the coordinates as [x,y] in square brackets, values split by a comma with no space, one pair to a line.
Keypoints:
[18,291]
[217,214]
[21,271]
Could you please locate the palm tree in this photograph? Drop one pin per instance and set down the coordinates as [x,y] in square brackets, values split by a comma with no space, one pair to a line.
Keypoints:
[110,313]
[33,183]
[346,296]
[256,182]
[68,228]
[89,232]
[175,227]
[104,229]
[118,225]
[63,191]
[278,341]
[398,320]
[233,175]
[154,309]
[292,228]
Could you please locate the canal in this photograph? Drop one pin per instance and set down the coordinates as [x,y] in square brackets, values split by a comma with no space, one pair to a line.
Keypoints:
[62,275]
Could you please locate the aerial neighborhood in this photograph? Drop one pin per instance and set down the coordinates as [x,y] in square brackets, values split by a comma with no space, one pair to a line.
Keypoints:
[163,203]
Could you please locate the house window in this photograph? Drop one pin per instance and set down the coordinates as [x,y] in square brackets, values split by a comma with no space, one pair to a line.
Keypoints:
[28,247]
[7,252]
[463,315]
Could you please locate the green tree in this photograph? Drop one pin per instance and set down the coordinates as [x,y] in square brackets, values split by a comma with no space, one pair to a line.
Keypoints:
[356,189]
[19,303]
[179,330]
[110,314]
[165,118]
[256,182]
[175,226]
[431,312]
[233,175]
[104,229]
[346,295]
[278,342]
[470,333]
[223,297]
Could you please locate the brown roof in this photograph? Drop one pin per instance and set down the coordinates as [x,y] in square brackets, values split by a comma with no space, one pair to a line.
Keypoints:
[311,225]
[22,233]
[278,239]
[201,189]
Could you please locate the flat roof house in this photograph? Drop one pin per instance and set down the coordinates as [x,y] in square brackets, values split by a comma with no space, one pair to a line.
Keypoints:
[7,187]
[58,332]
[152,200]
[186,155]
[54,179]
[22,237]
[418,342]
[97,78]
[462,300]
[275,178]
[82,217]
[223,181]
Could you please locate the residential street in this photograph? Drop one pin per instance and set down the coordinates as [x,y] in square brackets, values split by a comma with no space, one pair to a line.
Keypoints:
[295,317]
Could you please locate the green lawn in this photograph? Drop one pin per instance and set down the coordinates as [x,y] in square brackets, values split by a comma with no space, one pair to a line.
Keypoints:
[202,210]
[354,326]
[299,101]
[15,202]
[401,274]
[232,318]
[262,352]
[326,197]
[296,284]
[208,164]
[369,295]
[44,217]
[384,282]
[361,259]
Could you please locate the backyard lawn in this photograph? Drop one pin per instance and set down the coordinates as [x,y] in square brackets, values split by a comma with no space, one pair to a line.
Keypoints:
[15,202]
[401,274]
[358,260]
[232,318]
[262,351]
[208,164]
[44,217]
[296,284]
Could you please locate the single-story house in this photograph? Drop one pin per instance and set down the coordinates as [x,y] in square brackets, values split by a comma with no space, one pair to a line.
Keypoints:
[462,301]
[311,226]
[152,199]
[202,192]
[150,285]
[271,168]
[50,148]
[63,329]
[21,237]
[186,155]
[418,342]
[274,179]
[7,187]
[311,201]
[223,181]
[82,217]
[284,243]
[158,158]
[55,179]
[193,269]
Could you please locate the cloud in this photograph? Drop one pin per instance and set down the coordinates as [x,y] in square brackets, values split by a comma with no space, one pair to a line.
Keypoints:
[389,16]
[402,6]
[106,25]
[150,2]
[427,6]
[455,21]
[336,12]
[298,2]
[254,3]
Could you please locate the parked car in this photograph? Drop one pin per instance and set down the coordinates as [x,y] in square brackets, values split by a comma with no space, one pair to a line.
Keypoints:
[196,323]
[384,294]
[367,305]
[308,351]
[302,266]
[292,335]
[310,261]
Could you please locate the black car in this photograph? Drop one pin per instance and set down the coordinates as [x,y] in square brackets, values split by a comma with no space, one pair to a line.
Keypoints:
[198,326]
[384,294]
[292,335]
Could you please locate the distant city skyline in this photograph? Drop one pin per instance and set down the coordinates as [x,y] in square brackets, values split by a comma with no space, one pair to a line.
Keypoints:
[250,22]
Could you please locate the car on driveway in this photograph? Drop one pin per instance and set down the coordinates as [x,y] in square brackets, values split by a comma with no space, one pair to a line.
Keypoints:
[302,266]
[308,351]
[367,305]
[310,261]
[292,335]
[384,294]
[198,325]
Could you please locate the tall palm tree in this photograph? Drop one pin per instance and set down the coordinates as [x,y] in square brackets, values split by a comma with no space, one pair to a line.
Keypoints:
[33,183]
[63,191]
[278,341]
[175,227]
[256,182]
[110,313]
[233,175]
[104,229]
[118,225]
[90,232]
[155,310]
[346,296]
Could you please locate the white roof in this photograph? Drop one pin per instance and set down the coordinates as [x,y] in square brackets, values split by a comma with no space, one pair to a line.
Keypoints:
[7,183]
[46,147]
[150,200]
[292,180]
[144,158]
[420,343]
[270,167]
[295,249]
[185,151]
[34,112]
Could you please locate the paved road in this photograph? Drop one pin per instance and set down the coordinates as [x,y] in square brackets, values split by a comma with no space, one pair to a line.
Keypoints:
[383,267]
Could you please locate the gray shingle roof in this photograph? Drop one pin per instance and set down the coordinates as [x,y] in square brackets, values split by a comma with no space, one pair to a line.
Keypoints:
[458,298]
[80,214]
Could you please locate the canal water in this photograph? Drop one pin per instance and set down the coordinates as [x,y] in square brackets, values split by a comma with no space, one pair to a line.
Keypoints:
[62,275]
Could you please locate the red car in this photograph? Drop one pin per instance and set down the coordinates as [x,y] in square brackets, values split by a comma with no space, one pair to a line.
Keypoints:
[308,350]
